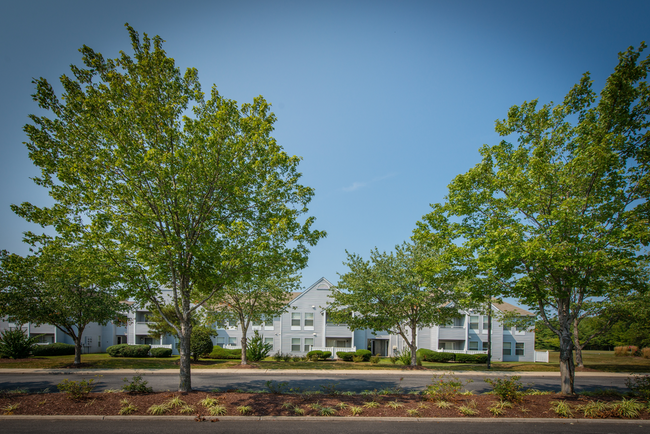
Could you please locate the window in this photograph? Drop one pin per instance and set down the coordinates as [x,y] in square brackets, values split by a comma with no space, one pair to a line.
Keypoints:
[309,321]
[485,346]
[456,322]
[256,323]
[269,341]
[473,322]
[329,321]
[142,316]
[485,322]
[507,348]
[295,321]
[519,349]
[295,344]
[232,341]
[309,342]
[473,345]
[220,341]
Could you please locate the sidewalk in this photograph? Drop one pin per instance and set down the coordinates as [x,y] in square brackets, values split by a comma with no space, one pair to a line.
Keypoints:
[309,372]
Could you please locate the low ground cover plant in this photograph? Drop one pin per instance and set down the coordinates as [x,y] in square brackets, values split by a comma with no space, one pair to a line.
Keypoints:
[507,389]
[76,390]
[444,387]
[223,353]
[136,385]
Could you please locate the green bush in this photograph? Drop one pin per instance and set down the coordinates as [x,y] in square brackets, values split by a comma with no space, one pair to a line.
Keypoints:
[471,358]
[345,356]
[508,388]
[435,357]
[366,354]
[200,343]
[224,353]
[258,350]
[137,384]
[57,349]
[126,350]
[161,352]
[374,359]
[327,354]
[319,355]
[15,344]
[76,389]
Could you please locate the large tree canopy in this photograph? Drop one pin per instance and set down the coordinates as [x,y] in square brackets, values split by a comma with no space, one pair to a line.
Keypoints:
[68,286]
[561,218]
[180,191]
[398,292]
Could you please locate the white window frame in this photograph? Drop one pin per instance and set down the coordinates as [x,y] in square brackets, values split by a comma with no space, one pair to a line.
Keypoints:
[485,346]
[309,327]
[307,346]
[473,345]
[507,348]
[295,345]
[473,325]
[296,317]
[269,341]
[221,341]
[519,349]
[232,341]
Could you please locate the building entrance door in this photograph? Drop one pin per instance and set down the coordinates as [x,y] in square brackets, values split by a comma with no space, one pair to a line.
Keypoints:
[379,346]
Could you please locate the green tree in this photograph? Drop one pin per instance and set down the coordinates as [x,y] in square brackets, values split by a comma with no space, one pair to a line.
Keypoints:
[180,191]
[397,292]
[258,298]
[561,218]
[66,286]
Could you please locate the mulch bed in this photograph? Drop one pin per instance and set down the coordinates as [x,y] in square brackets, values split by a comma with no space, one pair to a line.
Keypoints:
[266,404]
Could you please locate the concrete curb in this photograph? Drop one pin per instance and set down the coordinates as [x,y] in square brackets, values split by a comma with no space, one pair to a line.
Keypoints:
[310,372]
[320,419]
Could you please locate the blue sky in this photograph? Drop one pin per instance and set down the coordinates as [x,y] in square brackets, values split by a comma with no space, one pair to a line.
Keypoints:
[385,101]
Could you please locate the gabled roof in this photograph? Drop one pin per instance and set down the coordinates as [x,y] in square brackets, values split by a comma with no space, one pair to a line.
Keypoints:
[507,307]
[321,283]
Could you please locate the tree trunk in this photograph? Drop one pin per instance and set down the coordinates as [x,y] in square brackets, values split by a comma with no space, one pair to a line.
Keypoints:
[567,368]
[185,362]
[244,346]
[77,350]
[489,354]
[413,347]
[576,344]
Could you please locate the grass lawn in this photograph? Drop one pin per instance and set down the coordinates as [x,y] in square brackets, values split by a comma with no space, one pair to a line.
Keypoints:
[594,360]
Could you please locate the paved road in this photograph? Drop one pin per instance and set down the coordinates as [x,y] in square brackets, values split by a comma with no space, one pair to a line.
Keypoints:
[161,425]
[355,381]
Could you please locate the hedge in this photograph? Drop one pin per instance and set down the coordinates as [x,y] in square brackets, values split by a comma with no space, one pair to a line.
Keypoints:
[57,349]
[322,355]
[434,356]
[126,350]
[347,356]
[471,358]
[223,353]
[161,352]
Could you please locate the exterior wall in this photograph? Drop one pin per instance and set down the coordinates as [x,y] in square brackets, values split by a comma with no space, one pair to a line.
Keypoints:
[311,302]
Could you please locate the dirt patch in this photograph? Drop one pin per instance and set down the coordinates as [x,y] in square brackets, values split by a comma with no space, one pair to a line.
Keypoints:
[257,404]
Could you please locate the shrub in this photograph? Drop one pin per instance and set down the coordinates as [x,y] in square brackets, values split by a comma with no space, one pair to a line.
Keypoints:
[639,385]
[327,355]
[200,343]
[471,358]
[507,389]
[126,350]
[317,353]
[57,349]
[15,344]
[436,357]
[645,353]
[625,351]
[136,385]
[161,352]
[345,356]
[366,354]
[357,358]
[375,359]
[224,353]
[76,389]
[444,388]
[258,350]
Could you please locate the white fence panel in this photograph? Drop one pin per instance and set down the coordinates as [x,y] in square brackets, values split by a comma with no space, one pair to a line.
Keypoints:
[542,356]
